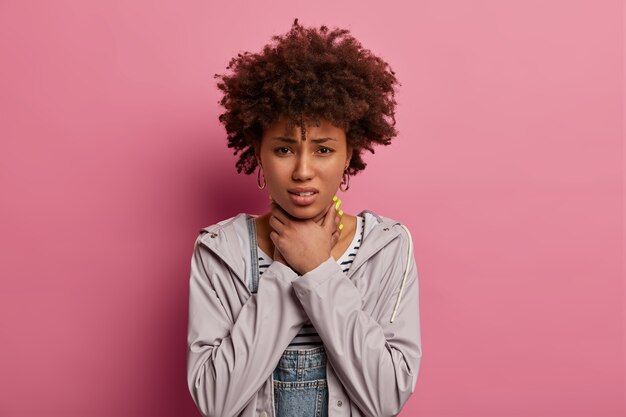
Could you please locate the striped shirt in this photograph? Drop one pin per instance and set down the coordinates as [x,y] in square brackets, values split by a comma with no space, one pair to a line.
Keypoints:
[308,337]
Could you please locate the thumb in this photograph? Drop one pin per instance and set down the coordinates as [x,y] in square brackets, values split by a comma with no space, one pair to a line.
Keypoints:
[329,218]
[335,237]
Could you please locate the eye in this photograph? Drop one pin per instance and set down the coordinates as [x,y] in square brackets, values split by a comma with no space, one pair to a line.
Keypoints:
[327,149]
[278,150]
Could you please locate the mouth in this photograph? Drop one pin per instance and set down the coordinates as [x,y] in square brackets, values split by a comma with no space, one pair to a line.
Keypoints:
[303,193]
[303,198]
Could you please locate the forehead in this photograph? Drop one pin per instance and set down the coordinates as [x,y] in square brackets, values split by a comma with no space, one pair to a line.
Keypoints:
[283,128]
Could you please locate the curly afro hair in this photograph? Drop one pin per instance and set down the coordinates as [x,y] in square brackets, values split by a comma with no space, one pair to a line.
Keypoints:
[304,75]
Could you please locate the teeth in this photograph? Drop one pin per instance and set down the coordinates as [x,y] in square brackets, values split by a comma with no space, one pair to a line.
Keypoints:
[304,194]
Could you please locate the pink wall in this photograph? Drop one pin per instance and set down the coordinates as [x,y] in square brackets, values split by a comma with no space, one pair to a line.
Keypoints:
[509,171]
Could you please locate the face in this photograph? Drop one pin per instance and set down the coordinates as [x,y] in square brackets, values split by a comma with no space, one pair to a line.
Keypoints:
[316,163]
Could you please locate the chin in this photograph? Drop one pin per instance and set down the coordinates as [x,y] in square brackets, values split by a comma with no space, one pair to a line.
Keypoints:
[303,212]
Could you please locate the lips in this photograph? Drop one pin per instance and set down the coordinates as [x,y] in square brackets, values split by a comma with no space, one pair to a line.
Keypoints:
[303,192]
[299,190]
[303,200]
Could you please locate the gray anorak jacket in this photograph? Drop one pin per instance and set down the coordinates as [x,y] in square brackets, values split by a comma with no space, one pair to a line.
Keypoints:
[367,318]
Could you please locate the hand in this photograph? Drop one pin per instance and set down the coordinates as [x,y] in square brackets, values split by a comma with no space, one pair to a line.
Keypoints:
[319,219]
[304,243]
[278,257]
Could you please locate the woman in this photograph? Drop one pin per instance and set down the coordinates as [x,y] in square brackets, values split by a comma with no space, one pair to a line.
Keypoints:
[305,310]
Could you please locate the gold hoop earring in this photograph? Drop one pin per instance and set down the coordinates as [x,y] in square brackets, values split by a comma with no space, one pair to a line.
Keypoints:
[258,180]
[345,181]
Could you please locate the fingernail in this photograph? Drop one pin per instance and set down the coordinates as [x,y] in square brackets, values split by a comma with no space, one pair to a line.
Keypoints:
[340,226]
[340,212]
[337,204]
[335,198]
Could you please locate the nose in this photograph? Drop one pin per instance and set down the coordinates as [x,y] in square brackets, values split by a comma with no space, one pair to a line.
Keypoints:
[303,170]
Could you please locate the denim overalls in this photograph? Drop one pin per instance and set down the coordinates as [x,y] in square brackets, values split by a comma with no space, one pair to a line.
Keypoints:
[300,387]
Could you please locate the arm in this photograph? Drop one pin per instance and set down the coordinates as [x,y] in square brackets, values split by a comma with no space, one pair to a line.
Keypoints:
[228,362]
[376,360]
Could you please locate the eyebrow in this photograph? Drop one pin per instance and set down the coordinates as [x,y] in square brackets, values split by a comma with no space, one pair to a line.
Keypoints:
[292,140]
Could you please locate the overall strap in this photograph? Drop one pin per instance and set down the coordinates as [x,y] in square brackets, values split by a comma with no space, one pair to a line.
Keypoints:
[254,256]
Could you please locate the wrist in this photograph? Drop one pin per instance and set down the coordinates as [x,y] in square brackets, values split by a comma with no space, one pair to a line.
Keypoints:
[314,265]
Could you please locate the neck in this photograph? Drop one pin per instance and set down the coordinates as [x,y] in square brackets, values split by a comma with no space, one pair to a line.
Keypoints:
[263,227]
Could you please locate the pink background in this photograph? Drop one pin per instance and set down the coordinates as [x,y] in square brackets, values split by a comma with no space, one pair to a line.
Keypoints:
[508,170]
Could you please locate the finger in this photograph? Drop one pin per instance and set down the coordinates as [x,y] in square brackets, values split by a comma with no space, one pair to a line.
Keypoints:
[278,212]
[328,223]
[338,218]
[336,222]
[274,237]
[276,224]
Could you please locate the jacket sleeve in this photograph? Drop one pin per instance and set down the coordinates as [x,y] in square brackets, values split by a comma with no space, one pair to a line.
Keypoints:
[376,359]
[228,362]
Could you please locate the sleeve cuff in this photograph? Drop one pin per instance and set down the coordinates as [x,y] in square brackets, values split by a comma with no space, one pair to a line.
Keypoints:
[281,271]
[315,277]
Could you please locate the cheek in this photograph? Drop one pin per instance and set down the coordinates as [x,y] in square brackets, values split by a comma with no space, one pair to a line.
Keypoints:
[277,174]
[277,179]
[336,172]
